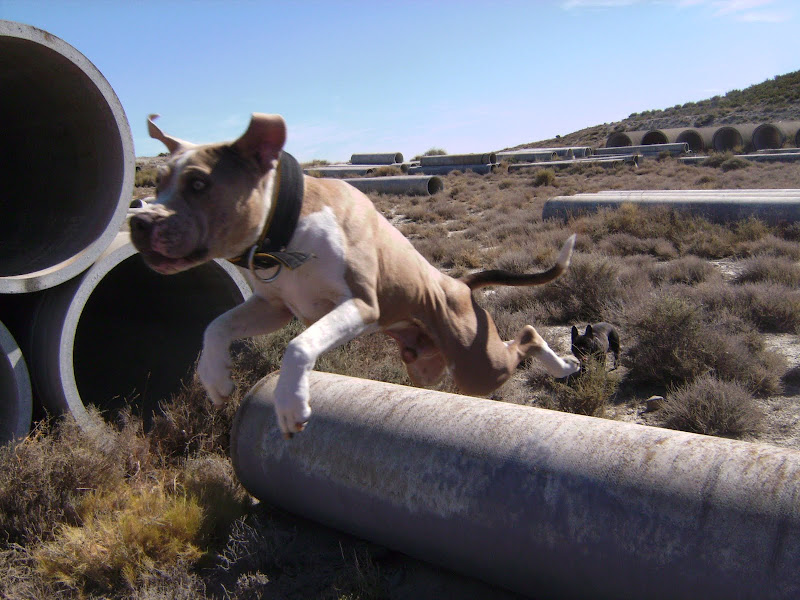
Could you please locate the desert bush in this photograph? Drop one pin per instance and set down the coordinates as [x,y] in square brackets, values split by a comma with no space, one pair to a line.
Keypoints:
[712,406]
[689,270]
[734,163]
[675,340]
[586,292]
[586,393]
[769,269]
[544,177]
[625,244]
[771,308]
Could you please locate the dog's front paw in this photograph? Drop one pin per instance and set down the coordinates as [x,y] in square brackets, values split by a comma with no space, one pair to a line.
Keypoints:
[292,415]
[215,375]
[571,365]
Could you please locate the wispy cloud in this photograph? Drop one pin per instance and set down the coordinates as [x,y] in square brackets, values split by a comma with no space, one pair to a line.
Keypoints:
[574,4]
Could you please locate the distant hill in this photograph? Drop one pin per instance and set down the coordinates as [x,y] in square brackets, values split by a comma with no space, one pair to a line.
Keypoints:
[776,99]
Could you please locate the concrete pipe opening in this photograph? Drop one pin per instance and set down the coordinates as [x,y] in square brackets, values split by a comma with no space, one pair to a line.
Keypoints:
[693,138]
[656,136]
[767,136]
[66,161]
[727,138]
[15,390]
[123,335]
[619,139]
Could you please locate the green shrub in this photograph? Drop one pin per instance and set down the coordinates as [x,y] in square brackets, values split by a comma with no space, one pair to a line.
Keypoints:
[586,393]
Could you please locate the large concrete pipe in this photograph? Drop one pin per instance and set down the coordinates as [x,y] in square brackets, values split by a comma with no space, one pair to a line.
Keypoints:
[16,407]
[718,206]
[547,504]
[699,139]
[673,135]
[408,185]
[732,137]
[774,135]
[484,169]
[673,149]
[120,334]
[378,158]
[458,159]
[66,161]
[624,138]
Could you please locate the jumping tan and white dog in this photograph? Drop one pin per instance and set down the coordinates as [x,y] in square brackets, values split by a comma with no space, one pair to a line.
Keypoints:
[359,275]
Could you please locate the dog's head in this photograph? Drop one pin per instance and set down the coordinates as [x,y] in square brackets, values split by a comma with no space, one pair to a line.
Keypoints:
[586,345]
[212,200]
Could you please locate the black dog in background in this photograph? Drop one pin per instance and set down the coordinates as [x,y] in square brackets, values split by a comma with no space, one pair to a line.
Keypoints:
[597,341]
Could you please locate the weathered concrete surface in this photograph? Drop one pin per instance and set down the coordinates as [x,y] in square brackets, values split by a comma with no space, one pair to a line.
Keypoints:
[66,161]
[544,503]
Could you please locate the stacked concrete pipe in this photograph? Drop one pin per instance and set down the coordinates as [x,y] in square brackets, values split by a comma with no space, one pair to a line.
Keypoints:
[66,161]
[119,334]
[16,405]
[547,504]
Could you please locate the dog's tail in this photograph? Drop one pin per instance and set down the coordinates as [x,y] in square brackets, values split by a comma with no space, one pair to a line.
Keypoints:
[499,277]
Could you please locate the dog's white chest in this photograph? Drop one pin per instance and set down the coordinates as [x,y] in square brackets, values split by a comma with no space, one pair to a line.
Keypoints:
[313,289]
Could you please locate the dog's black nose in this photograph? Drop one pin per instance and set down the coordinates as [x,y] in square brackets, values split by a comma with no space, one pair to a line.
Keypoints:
[140,225]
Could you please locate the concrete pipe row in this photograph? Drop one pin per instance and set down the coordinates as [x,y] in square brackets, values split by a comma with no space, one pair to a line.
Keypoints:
[530,155]
[67,132]
[458,159]
[84,321]
[673,149]
[407,185]
[377,158]
[547,504]
[16,402]
[600,161]
[119,334]
[719,138]
[772,207]
[791,155]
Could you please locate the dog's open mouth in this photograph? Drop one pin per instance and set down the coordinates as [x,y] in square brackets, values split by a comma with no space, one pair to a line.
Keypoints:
[167,265]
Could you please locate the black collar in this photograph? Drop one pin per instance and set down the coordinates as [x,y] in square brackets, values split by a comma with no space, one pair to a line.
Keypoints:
[287,201]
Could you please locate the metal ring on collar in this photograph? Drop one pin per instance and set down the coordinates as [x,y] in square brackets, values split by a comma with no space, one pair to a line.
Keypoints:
[251,257]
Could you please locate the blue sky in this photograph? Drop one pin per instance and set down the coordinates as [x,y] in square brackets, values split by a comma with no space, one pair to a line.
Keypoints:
[379,76]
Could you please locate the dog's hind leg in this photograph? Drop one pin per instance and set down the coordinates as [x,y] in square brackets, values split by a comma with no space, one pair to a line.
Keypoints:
[344,323]
[529,343]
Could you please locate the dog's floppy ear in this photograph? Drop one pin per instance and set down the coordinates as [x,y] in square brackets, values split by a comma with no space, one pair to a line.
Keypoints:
[575,333]
[263,139]
[589,331]
[173,144]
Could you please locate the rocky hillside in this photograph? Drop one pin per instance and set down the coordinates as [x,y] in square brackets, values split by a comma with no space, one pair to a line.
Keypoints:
[776,99]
